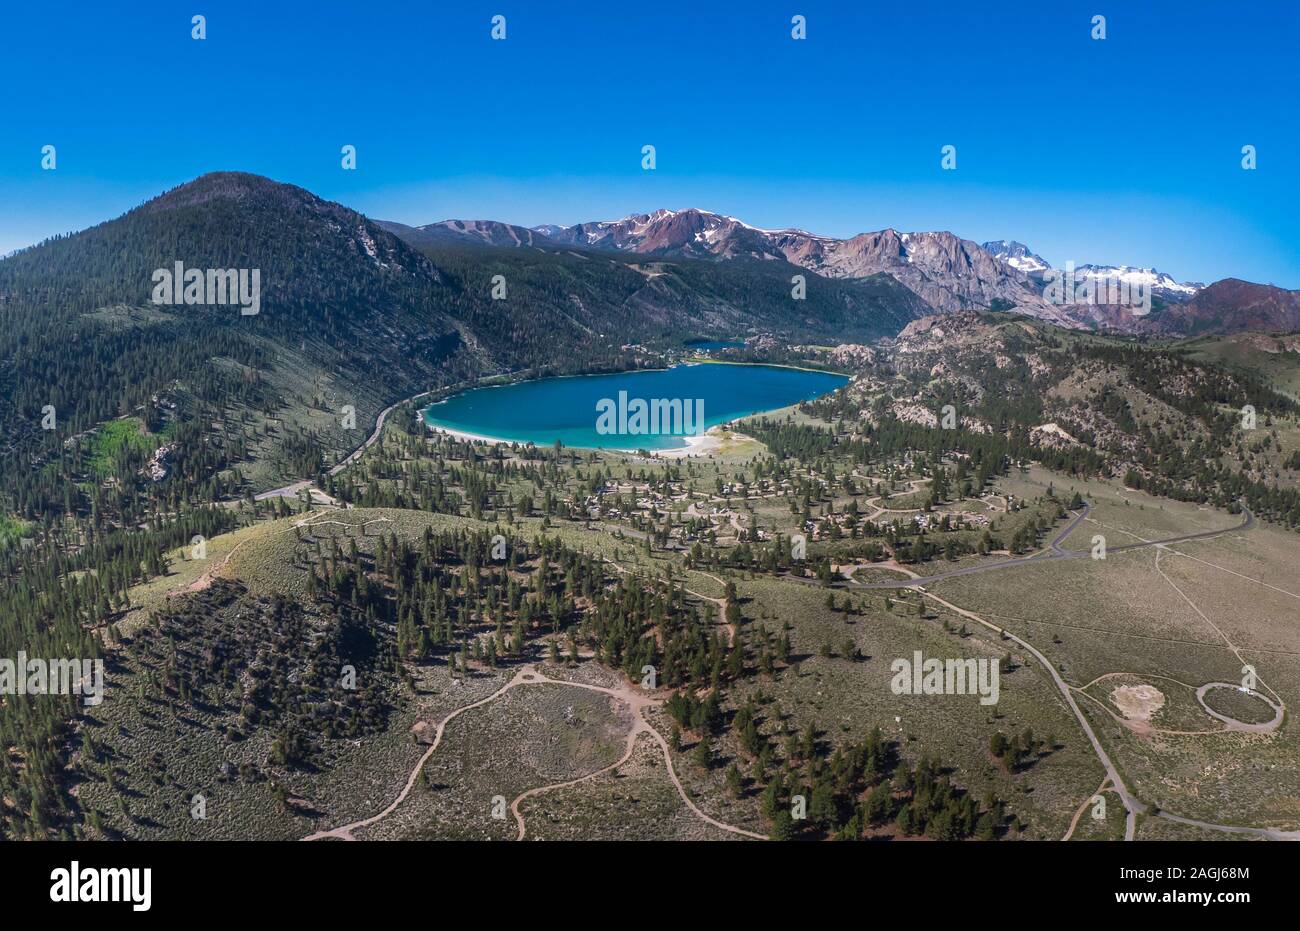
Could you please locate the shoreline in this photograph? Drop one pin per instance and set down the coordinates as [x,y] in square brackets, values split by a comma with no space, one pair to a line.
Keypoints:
[708,360]
[506,382]
[699,445]
[705,444]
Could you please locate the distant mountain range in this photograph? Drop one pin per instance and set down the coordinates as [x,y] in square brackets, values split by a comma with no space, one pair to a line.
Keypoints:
[1018,256]
[947,272]
[359,312]
[480,232]
[943,270]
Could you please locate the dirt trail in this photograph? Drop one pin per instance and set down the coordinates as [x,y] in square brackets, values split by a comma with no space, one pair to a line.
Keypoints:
[847,570]
[345,832]
[1230,724]
[209,575]
[529,675]
[914,486]
[1051,554]
[1278,705]
[639,727]
[1074,822]
[1131,805]
[721,604]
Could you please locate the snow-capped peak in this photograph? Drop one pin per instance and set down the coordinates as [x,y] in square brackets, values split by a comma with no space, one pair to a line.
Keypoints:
[1157,281]
[1017,255]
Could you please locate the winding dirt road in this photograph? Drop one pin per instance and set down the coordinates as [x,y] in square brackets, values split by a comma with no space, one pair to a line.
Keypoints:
[1113,781]
[1132,806]
[529,675]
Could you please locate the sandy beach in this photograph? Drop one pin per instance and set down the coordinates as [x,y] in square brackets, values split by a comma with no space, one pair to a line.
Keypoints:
[703,445]
[474,437]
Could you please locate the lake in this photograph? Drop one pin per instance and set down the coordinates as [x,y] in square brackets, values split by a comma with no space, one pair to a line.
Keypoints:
[580,411]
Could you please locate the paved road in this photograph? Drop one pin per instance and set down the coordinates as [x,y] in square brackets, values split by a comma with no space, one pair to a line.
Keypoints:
[1269,833]
[1132,807]
[1069,528]
[291,490]
[1055,554]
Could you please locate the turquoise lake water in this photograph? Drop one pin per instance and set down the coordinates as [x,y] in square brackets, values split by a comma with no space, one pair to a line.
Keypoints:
[565,409]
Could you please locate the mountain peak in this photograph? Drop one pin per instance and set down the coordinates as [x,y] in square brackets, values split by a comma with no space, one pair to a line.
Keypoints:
[475,232]
[1017,255]
[226,185]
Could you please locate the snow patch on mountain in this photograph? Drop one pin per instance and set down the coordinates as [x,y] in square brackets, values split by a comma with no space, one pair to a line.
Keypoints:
[1159,283]
[1017,255]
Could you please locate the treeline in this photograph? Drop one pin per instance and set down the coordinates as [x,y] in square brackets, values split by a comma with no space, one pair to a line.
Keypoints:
[58,603]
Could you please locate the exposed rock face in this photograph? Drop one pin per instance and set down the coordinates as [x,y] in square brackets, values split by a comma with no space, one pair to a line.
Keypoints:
[1051,435]
[947,272]
[936,326]
[696,233]
[852,354]
[1017,255]
[1233,305]
[479,232]
[157,467]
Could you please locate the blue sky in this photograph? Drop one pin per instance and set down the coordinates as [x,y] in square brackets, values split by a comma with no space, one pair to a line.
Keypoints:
[1122,150]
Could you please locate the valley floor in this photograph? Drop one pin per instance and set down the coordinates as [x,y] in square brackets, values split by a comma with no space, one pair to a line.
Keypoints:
[1126,668]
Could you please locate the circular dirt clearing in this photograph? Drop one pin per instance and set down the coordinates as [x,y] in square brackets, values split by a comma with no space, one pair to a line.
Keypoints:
[1261,714]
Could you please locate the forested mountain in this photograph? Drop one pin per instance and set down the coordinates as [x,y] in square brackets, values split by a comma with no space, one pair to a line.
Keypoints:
[350,316]
[943,270]
[81,333]
[1159,419]
[466,232]
[1232,305]
[595,302]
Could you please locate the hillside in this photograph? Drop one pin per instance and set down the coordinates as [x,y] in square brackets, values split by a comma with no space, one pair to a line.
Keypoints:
[563,299]
[339,297]
[351,317]
[1232,305]
[1159,419]
[131,531]
[1273,357]
[946,272]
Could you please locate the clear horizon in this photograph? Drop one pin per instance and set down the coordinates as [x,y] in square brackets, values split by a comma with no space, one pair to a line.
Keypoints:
[1121,151]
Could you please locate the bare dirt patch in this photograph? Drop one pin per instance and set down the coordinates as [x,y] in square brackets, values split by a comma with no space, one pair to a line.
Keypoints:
[1138,703]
